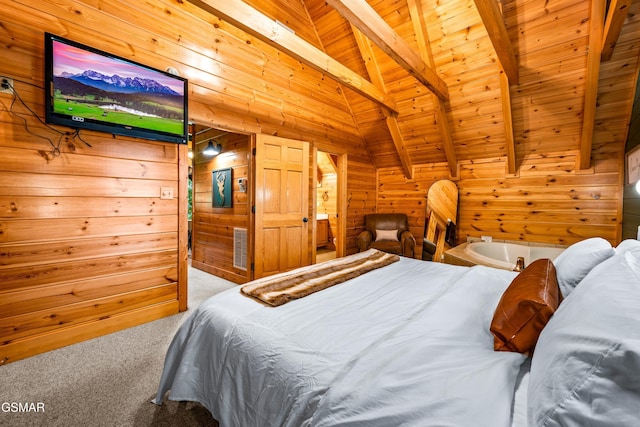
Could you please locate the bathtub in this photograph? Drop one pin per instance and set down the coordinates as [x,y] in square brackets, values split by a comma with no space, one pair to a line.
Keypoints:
[502,254]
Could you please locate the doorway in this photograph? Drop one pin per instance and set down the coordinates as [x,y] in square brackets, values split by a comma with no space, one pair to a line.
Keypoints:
[328,179]
[218,244]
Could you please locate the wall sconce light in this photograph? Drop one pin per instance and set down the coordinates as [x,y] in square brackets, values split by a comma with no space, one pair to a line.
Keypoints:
[211,150]
[638,187]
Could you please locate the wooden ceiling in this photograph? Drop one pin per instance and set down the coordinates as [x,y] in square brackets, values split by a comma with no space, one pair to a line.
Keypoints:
[428,81]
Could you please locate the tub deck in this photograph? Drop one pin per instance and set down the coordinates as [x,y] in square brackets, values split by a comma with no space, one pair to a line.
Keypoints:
[459,255]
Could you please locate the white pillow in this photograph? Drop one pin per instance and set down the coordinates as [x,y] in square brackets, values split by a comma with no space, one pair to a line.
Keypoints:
[585,370]
[387,235]
[628,245]
[573,264]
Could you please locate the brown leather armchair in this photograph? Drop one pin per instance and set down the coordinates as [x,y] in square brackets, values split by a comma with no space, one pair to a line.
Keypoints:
[388,232]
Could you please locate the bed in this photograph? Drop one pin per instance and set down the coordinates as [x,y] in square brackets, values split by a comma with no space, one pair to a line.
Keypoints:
[413,343]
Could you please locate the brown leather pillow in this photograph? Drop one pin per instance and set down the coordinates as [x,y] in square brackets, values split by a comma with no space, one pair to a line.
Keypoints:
[525,308]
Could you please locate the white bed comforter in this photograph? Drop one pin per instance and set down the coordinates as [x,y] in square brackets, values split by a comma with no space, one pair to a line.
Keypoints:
[405,345]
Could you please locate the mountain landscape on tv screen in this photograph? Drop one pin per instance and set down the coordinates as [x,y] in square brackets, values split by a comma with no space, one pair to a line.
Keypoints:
[116,83]
[137,102]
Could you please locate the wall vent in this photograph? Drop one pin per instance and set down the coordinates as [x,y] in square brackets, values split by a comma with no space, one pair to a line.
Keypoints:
[240,248]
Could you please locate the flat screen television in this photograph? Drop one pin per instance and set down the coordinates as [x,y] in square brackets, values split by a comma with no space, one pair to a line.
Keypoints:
[87,88]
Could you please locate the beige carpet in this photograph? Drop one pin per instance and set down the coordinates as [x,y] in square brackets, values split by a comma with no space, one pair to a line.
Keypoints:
[107,381]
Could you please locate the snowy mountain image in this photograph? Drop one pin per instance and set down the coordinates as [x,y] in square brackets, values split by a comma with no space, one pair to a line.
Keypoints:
[115,83]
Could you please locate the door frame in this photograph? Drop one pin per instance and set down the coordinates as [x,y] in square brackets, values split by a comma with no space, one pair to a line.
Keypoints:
[341,205]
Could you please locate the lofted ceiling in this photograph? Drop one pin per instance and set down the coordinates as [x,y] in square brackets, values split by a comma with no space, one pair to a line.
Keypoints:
[429,81]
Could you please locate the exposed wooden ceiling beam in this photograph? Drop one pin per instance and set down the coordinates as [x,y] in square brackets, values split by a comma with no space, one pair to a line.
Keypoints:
[424,45]
[615,20]
[327,163]
[366,51]
[370,63]
[253,22]
[494,23]
[333,160]
[508,123]
[365,18]
[596,31]
[399,144]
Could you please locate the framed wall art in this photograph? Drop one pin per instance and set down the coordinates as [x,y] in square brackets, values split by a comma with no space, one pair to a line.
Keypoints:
[633,165]
[222,186]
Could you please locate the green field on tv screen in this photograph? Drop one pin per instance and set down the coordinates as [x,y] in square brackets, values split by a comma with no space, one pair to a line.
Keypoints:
[98,113]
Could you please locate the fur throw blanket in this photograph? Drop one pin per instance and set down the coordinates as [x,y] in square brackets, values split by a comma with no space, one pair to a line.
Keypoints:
[283,287]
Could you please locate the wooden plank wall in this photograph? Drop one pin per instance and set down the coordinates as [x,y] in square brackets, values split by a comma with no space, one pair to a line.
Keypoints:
[86,244]
[213,226]
[547,203]
[361,198]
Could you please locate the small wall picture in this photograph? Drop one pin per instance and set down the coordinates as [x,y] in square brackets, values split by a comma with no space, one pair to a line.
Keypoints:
[222,186]
[633,165]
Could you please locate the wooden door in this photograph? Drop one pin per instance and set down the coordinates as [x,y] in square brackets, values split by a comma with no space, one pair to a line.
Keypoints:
[281,205]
